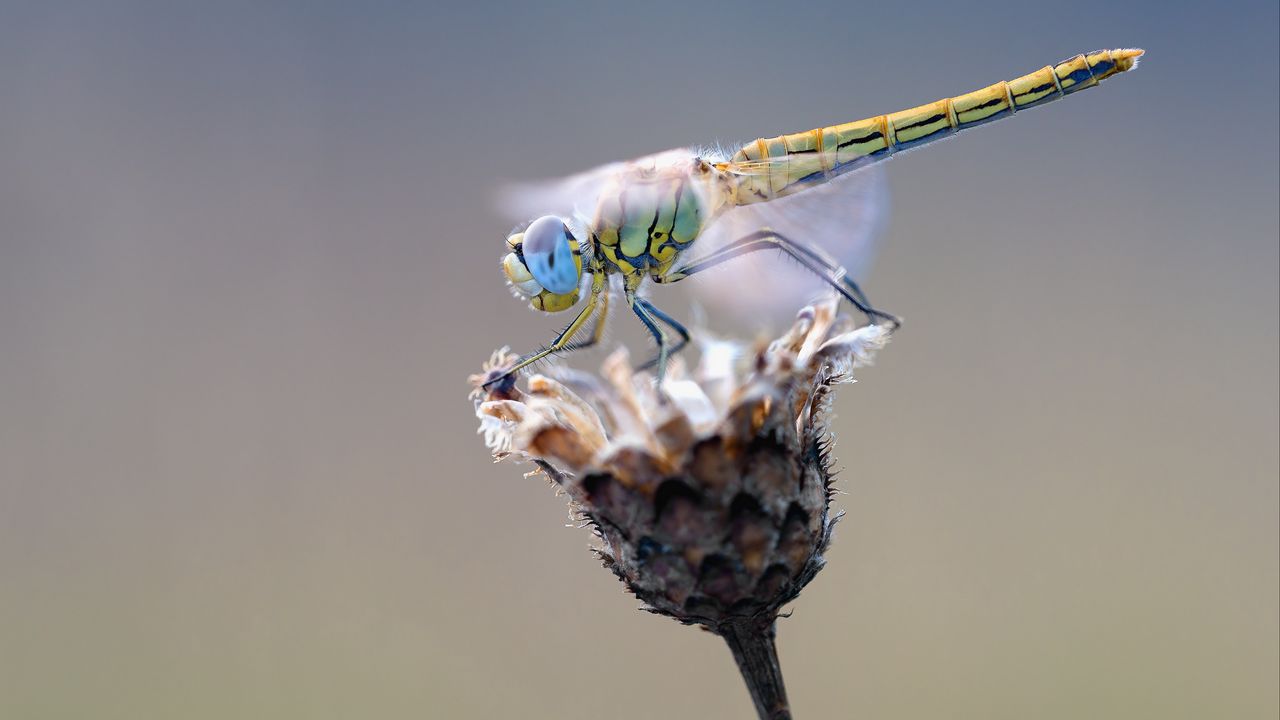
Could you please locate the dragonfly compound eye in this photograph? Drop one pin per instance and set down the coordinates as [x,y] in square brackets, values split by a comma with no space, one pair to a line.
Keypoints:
[548,253]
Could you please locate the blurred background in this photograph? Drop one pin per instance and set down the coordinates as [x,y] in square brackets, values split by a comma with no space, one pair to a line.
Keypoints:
[248,257]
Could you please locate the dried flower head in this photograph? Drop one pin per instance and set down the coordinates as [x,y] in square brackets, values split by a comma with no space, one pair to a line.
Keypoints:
[711,495]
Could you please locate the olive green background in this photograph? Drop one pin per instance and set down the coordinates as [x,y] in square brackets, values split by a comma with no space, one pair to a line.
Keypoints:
[248,258]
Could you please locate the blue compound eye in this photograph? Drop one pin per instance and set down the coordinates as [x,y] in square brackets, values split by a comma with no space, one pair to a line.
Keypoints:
[549,256]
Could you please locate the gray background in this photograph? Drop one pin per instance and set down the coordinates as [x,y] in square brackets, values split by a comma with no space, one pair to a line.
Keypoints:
[248,257]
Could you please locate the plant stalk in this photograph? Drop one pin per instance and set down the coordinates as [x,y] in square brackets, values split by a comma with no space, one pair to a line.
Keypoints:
[754,649]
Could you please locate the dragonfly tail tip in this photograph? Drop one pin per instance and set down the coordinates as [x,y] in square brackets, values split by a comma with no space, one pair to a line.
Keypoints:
[1127,58]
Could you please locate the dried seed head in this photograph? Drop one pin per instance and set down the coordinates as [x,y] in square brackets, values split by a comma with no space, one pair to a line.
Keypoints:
[711,496]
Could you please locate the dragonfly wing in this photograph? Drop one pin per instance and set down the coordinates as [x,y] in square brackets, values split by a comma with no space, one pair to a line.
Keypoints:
[575,195]
[526,200]
[845,217]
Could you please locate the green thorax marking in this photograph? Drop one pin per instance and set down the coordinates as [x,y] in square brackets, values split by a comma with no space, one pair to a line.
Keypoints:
[647,217]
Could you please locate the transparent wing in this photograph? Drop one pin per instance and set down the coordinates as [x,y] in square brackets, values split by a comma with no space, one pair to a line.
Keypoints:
[528,200]
[844,216]
[575,195]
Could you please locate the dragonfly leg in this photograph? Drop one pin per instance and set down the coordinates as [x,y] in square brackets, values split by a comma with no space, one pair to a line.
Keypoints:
[671,323]
[597,331]
[563,343]
[650,316]
[810,257]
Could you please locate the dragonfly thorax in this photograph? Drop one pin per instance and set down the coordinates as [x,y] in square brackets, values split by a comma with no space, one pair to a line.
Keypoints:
[648,216]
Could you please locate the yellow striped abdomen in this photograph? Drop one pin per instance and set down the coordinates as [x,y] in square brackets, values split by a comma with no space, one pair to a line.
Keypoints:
[774,167]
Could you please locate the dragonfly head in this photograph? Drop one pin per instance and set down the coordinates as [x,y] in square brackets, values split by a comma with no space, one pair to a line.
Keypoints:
[545,264]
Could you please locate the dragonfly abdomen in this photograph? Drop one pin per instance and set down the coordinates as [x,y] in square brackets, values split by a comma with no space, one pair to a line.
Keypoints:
[815,156]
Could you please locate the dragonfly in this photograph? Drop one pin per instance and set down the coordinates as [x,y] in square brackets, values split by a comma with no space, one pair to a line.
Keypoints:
[646,221]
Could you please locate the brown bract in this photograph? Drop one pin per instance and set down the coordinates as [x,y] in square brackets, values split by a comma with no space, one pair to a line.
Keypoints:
[711,495]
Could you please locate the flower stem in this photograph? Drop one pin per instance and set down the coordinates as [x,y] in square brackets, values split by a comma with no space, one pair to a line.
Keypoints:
[754,649]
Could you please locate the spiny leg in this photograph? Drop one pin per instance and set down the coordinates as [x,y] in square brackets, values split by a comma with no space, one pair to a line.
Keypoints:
[832,264]
[562,342]
[671,323]
[645,312]
[811,258]
[597,331]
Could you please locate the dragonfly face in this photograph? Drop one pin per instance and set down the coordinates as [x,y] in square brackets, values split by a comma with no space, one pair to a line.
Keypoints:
[545,264]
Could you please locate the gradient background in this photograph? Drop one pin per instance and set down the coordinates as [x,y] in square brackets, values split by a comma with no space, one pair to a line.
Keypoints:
[248,257]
